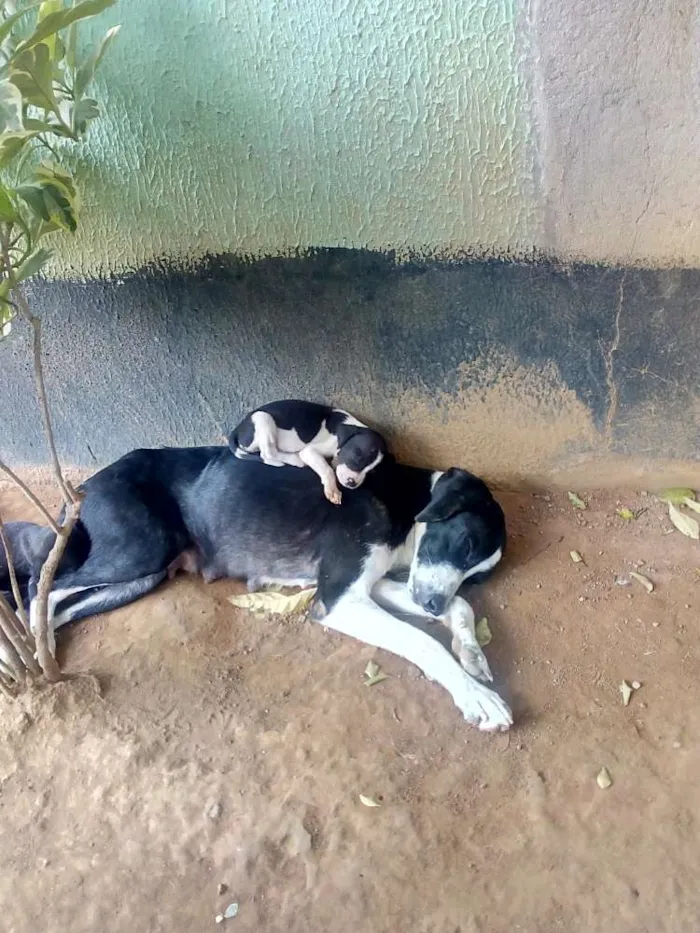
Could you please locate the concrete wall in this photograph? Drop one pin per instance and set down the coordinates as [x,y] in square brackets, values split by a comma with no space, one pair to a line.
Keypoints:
[436,142]
[437,127]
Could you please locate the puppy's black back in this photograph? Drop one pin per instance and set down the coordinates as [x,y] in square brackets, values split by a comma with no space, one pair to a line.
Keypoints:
[305,418]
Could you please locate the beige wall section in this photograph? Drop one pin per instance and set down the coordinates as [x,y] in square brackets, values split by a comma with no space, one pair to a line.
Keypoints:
[618,116]
[437,127]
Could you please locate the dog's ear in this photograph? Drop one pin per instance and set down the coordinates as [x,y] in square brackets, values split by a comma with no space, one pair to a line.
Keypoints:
[454,492]
[345,433]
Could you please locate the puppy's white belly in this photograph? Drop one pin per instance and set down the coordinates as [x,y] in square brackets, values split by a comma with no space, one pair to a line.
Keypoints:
[289,442]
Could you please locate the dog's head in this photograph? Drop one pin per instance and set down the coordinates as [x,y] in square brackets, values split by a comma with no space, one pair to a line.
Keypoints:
[361,450]
[460,535]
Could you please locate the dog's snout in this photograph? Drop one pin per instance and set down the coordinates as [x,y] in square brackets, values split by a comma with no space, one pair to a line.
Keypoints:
[434,605]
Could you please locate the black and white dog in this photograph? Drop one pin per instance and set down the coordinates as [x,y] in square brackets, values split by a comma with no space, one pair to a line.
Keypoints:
[301,434]
[141,513]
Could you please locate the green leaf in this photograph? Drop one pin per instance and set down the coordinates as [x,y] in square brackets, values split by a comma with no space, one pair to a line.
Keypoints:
[33,197]
[33,264]
[85,110]
[11,144]
[55,22]
[61,208]
[86,72]
[10,108]
[576,501]
[7,24]
[52,174]
[7,208]
[71,46]
[483,632]
[32,73]
[47,8]
[676,495]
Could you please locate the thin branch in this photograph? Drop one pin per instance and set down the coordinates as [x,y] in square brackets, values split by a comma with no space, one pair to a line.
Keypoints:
[48,145]
[10,656]
[30,495]
[13,576]
[21,642]
[69,494]
[40,615]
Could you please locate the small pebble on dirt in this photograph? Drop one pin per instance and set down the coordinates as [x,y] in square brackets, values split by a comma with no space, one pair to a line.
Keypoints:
[214,811]
[604,780]
[222,888]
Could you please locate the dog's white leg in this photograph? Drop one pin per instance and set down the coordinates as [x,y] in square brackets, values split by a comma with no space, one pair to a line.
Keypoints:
[318,463]
[459,619]
[355,614]
[265,439]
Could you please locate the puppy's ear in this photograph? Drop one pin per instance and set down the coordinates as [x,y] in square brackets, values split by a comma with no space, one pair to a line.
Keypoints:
[455,491]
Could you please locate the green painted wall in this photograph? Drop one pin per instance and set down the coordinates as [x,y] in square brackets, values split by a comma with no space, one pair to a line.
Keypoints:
[264,126]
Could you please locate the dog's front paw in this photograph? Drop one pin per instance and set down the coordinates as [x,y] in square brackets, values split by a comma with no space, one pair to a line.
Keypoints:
[332,493]
[472,659]
[483,708]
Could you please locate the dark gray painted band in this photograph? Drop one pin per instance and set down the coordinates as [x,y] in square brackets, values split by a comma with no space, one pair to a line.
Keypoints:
[171,357]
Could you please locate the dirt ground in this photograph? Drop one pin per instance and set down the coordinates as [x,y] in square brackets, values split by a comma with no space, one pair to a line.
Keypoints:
[225,749]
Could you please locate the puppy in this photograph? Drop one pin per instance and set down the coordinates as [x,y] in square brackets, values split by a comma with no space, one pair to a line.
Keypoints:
[303,434]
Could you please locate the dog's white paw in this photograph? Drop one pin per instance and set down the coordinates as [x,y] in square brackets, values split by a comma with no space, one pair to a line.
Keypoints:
[472,659]
[483,708]
[460,618]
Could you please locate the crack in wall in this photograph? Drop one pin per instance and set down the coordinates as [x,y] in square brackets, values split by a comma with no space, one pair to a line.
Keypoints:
[609,360]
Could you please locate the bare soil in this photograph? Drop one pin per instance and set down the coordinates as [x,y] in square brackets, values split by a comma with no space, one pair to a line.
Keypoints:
[216,748]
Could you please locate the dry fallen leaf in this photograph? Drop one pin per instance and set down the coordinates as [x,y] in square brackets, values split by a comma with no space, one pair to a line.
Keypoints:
[274,602]
[374,674]
[627,514]
[676,495]
[626,690]
[483,632]
[369,801]
[576,501]
[604,780]
[645,581]
[692,504]
[576,557]
[684,523]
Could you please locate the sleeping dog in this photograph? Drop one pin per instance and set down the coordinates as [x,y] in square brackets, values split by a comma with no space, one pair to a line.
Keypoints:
[244,521]
[302,434]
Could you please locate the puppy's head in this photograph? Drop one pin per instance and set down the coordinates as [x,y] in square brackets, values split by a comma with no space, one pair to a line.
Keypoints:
[460,535]
[359,453]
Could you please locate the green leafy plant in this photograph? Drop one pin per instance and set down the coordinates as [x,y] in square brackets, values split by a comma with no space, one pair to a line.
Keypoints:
[45,111]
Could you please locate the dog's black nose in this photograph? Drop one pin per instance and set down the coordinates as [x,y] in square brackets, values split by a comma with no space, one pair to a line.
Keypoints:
[435,605]
[351,483]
